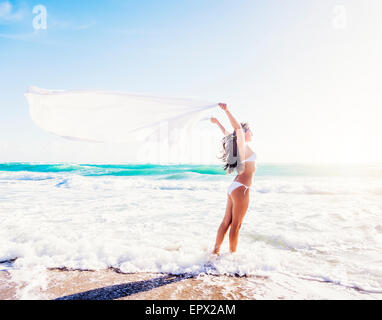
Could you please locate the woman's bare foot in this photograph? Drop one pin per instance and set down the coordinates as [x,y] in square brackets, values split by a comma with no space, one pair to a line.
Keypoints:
[216,252]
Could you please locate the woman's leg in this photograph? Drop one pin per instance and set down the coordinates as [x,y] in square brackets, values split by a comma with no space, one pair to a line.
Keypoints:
[223,226]
[240,202]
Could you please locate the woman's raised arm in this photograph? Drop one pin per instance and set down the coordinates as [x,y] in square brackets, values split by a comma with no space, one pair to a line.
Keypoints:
[238,129]
[225,132]
[235,124]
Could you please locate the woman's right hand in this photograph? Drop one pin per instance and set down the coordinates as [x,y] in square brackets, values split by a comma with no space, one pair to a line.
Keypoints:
[214,120]
[223,106]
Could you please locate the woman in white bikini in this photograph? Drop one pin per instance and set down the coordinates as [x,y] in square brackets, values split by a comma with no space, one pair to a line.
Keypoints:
[237,156]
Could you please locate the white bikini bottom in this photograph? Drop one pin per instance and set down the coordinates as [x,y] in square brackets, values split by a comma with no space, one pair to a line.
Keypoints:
[234,185]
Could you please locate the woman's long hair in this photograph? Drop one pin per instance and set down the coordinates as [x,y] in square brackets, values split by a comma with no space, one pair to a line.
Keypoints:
[230,155]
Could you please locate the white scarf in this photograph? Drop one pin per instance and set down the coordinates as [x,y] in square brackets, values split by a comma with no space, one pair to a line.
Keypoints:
[100,116]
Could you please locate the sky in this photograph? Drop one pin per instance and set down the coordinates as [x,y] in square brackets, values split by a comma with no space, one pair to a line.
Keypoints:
[306,74]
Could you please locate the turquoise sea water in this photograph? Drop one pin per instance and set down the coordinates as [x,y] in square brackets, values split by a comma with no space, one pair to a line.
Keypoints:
[183,171]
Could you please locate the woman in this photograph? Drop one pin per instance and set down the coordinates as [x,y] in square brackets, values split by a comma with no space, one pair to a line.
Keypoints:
[237,156]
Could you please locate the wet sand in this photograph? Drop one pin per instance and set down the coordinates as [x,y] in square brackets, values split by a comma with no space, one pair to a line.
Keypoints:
[110,284]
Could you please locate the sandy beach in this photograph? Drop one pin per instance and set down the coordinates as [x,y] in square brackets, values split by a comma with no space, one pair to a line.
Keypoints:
[113,285]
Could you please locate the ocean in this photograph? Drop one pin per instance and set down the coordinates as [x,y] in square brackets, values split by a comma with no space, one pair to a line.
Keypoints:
[316,223]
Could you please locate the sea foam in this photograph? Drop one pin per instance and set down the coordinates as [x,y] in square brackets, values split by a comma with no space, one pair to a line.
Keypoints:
[322,228]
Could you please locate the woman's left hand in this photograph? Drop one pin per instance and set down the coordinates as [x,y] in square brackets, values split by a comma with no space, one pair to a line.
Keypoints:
[223,106]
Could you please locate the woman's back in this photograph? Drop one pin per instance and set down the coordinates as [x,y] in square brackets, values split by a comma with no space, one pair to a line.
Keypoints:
[249,168]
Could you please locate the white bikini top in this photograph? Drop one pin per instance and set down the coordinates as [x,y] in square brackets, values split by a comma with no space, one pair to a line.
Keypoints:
[251,158]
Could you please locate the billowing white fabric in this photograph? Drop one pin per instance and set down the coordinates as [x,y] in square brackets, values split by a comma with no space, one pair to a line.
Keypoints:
[100,116]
